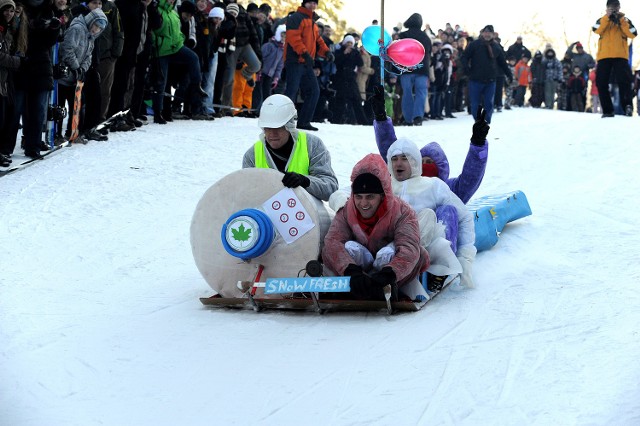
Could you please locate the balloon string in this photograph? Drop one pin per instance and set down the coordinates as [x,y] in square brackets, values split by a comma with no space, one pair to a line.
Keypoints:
[381,43]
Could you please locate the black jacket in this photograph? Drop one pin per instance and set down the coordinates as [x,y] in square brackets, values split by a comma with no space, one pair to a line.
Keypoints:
[517,51]
[484,61]
[414,25]
[37,73]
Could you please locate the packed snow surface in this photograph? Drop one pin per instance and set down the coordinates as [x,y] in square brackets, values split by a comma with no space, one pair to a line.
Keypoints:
[100,322]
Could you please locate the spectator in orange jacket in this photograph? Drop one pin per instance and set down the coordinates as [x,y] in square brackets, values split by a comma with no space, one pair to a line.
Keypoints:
[302,45]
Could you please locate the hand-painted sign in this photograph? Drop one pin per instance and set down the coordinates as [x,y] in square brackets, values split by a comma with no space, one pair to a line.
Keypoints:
[307,284]
[288,215]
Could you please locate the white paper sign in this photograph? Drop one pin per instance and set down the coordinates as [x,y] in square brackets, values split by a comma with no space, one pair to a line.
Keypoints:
[288,215]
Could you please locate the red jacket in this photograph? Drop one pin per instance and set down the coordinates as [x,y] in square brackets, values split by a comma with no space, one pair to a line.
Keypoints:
[399,224]
[303,37]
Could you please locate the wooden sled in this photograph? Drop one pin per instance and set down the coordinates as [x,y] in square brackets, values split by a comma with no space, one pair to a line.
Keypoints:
[311,302]
[308,304]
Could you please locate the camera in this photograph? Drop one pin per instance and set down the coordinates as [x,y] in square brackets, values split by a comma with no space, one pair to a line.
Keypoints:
[614,17]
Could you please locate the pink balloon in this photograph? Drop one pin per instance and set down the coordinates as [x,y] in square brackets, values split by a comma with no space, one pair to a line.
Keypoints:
[407,52]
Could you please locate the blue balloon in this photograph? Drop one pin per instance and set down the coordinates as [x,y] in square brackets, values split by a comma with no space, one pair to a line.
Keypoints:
[370,37]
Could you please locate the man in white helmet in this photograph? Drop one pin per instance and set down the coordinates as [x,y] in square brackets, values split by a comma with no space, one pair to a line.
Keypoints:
[302,157]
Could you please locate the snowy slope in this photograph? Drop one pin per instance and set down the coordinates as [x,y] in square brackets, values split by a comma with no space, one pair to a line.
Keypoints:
[100,322]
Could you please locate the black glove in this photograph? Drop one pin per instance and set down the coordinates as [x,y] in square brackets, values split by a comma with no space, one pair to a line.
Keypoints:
[352,269]
[480,128]
[294,180]
[330,56]
[377,103]
[308,60]
[190,43]
[79,73]
[360,283]
[384,277]
[60,71]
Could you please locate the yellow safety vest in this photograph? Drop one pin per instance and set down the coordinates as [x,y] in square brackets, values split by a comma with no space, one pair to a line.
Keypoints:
[298,163]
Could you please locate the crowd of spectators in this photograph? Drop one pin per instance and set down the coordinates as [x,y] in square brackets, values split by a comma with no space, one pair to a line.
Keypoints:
[206,59]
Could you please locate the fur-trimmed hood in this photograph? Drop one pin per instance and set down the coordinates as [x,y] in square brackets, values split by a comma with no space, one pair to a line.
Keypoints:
[374,164]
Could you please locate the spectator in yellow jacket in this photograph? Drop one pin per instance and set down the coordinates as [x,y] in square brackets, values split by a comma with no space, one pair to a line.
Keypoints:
[614,29]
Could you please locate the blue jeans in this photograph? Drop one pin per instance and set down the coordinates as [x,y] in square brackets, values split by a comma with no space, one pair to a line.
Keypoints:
[414,95]
[209,78]
[299,76]
[482,94]
[184,56]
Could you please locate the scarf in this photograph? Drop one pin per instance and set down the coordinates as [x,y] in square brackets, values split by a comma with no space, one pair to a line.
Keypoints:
[429,170]
[489,48]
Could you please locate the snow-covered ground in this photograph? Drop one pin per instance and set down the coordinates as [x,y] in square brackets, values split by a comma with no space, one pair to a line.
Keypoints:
[100,322]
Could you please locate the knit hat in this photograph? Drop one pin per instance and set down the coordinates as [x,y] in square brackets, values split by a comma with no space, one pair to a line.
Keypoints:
[579,45]
[488,28]
[187,7]
[307,1]
[97,17]
[7,3]
[233,9]
[216,12]
[348,39]
[367,183]
[613,3]
[281,29]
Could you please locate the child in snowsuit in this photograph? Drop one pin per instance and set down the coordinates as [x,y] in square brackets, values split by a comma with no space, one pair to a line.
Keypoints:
[522,76]
[391,98]
[562,90]
[575,87]
[510,88]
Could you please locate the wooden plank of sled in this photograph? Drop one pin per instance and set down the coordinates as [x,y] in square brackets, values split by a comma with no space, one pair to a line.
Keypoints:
[307,304]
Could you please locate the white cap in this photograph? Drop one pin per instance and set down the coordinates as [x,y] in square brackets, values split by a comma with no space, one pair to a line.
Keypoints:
[216,12]
[281,29]
[348,39]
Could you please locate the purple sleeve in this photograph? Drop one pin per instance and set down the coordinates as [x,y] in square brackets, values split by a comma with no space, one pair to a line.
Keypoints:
[385,136]
[465,185]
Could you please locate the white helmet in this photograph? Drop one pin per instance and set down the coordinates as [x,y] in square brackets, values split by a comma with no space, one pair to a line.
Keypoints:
[276,111]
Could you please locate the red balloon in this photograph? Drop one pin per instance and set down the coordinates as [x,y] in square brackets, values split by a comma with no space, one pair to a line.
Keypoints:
[407,52]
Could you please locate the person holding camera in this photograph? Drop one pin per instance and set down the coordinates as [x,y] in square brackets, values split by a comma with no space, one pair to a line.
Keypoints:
[614,29]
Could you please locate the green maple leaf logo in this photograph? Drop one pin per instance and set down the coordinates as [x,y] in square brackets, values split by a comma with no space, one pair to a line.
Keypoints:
[241,234]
